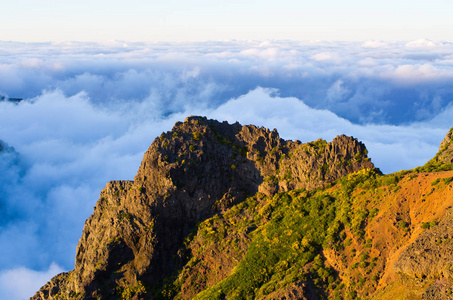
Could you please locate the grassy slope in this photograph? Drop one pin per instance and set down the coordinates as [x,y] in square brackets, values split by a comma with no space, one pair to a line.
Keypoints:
[340,242]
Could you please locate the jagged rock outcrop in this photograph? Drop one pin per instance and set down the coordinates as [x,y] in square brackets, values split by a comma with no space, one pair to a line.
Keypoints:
[444,156]
[295,291]
[13,100]
[4,146]
[430,257]
[10,165]
[54,288]
[446,149]
[197,169]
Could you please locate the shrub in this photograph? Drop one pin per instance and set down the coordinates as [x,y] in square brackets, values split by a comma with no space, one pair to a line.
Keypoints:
[196,136]
[427,225]
[373,213]
[412,176]
[358,157]
[435,182]
[403,226]
[124,215]
[131,291]
[448,180]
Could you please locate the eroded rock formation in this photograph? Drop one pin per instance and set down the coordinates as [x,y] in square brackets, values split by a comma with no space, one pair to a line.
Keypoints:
[197,169]
[446,149]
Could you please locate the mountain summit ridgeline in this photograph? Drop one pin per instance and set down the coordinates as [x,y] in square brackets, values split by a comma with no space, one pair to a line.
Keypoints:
[225,211]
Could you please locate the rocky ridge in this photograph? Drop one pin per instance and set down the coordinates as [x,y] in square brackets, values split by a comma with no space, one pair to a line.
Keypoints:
[135,237]
[220,211]
[446,149]
[430,257]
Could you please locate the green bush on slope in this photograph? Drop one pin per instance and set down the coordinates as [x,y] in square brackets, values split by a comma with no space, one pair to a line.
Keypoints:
[289,234]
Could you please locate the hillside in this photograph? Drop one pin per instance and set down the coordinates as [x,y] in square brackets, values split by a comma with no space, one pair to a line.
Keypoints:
[220,211]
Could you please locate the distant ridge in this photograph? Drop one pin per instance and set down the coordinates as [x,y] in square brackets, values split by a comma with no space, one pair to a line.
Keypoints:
[13,100]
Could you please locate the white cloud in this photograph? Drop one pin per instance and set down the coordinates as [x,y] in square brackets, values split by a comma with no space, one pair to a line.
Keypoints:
[422,43]
[23,283]
[374,44]
[268,54]
[326,56]
[305,70]
[415,74]
[367,62]
[337,91]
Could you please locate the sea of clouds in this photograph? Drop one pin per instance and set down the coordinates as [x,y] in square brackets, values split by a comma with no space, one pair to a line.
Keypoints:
[91,110]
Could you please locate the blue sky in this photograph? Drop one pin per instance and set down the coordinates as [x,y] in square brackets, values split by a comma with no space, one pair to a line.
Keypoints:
[199,20]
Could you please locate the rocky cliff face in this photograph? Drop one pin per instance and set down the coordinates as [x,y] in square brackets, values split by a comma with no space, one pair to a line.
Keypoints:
[5,147]
[136,235]
[445,154]
[430,258]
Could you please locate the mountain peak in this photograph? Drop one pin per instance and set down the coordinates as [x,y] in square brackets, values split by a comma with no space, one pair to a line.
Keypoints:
[199,168]
[445,153]
[224,211]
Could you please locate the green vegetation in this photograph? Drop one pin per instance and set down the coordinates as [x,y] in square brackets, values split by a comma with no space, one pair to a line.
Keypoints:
[434,166]
[288,176]
[278,241]
[358,157]
[292,238]
[435,163]
[445,181]
[196,136]
[318,144]
[263,245]
[273,243]
[427,225]
[243,151]
[403,226]
[124,215]
[131,291]
[259,159]
[448,180]
[271,179]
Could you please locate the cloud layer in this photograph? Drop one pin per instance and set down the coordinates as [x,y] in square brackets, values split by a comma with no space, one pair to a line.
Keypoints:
[365,82]
[91,111]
